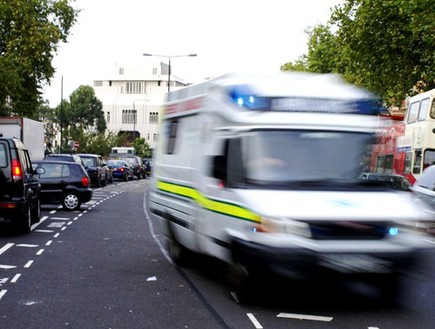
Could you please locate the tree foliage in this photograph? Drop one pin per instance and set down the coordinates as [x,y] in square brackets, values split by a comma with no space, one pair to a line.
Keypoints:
[142,148]
[385,46]
[83,112]
[30,33]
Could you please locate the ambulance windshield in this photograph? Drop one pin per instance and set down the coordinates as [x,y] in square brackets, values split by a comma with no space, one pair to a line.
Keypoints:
[283,156]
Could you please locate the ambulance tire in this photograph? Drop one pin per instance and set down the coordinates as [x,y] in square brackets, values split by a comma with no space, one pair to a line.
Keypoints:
[239,281]
[180,255]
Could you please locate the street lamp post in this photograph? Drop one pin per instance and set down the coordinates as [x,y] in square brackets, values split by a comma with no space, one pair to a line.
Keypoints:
[169,64]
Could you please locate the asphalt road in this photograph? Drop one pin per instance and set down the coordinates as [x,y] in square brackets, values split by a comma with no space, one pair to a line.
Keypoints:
[105,266]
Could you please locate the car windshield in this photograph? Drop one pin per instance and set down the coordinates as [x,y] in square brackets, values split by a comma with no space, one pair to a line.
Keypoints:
[115,163]
[89,162]
[281,156]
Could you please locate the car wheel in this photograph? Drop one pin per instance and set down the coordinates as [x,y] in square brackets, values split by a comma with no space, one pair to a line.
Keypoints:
[126,177]
[25,220]
[71,201]
[36,211]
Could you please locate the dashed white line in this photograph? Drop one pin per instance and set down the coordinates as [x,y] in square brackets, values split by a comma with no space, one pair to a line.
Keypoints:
[254,321]
[27,245]
[7,267]
[2,293]
[40,251]
[49,242]
[60,218]
[69,223]
[56,235]
[28,264]
[44,231]
[15,278]
[63,228]
[5,247]
[304,317]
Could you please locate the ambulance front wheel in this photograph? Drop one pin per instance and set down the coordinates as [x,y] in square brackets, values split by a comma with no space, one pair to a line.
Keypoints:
[179,254]
[239,282]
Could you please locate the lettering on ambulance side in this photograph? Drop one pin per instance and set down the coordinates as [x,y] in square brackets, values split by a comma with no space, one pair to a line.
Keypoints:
[217,206]
[184,107]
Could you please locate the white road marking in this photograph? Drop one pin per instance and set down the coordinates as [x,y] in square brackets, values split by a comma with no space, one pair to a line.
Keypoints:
[69,223]
[2,293]
[5,247]
[15,278]
[49,242]
[56,224]
[254,321]
[40,251]
[53,211]
[60,218]
[56,235]
[44,231]
[28,264]
[7,267]
[305,317]
[27,245]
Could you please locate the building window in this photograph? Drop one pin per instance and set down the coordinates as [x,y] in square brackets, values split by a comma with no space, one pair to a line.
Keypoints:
[98,83]
[155,137]
[121,71]
[128,116]
[134,87]
[154,117]
[108,117]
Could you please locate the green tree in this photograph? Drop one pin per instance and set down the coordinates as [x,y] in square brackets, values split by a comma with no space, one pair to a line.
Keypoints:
[384,46]
[30,33]
[83,112]
[142,148]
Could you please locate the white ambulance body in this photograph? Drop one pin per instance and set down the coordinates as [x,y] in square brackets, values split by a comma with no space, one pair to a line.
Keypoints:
[261,172]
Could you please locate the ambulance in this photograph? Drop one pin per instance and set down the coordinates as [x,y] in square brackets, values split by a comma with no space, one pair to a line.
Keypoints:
[261,172]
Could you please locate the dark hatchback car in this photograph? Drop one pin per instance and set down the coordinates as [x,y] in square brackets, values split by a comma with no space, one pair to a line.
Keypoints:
[96,168]
[64,182]
[120,169]
[394,181]
[64,157]
[19,185]
[139,169]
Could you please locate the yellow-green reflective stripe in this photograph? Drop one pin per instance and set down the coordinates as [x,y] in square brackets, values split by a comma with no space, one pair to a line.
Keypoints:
[212,205]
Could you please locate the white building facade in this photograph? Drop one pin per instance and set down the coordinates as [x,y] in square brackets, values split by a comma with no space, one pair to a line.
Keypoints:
[133,100]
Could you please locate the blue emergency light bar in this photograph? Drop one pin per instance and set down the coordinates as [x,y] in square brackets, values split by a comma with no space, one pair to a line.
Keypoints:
[244,97]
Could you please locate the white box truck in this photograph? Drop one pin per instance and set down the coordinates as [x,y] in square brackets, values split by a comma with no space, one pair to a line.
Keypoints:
[28,131]
[262,173]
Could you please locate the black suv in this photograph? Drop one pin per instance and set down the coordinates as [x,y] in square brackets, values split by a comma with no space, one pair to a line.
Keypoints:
[139,169]
[19,185]
[96,168]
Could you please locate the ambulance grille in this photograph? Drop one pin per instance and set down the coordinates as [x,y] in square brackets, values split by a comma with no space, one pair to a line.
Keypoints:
[348,230]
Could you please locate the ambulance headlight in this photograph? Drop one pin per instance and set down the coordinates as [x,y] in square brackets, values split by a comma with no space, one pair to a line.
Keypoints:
[282,225]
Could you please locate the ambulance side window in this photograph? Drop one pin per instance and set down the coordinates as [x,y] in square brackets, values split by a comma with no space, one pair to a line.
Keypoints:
[171,136]
[236,172]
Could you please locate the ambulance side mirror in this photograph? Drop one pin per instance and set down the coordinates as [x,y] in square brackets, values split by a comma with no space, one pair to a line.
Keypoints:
[219,167]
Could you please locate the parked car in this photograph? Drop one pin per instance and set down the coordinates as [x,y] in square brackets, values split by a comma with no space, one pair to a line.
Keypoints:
[64,157]
[121,169]
[96,168]
[109,172]
[139,169]
[64,182]
[147,163]
[423,191]
[394,181]
[19,185]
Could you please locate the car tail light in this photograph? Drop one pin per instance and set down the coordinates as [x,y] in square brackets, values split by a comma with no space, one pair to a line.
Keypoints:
[17,172]
[121,169]
[85,181]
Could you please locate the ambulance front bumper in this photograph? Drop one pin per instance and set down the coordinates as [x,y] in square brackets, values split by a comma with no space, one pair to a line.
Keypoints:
[303,263]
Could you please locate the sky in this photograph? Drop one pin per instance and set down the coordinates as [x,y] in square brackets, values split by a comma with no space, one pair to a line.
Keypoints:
[226,35]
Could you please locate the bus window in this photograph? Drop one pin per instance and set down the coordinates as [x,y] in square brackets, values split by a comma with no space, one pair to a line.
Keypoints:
[424,106]
[408,161]
[388,167]
[413,112]
[429,157]
[432,109]
[417,162]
